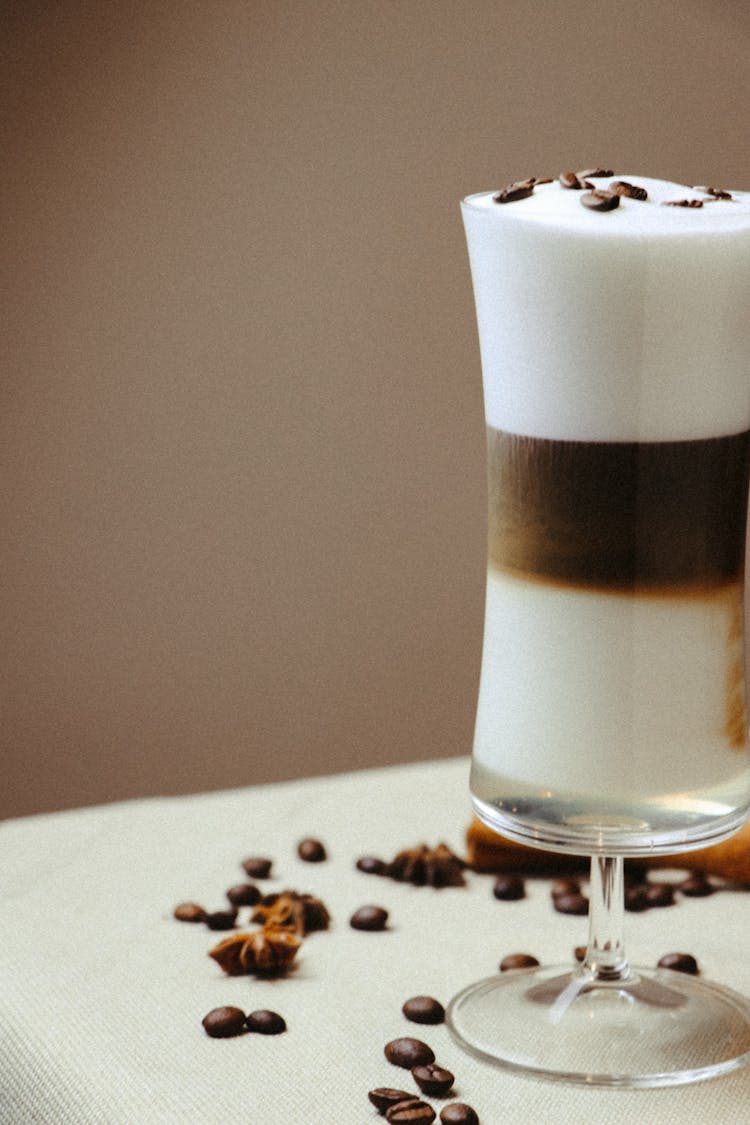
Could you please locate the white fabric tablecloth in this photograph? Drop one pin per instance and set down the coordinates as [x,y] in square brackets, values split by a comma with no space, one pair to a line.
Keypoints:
[102,992]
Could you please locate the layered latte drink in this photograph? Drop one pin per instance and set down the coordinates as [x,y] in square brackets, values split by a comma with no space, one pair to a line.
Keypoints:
[614,328]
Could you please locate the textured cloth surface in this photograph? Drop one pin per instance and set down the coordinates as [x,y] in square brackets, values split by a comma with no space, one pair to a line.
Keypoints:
[102,992]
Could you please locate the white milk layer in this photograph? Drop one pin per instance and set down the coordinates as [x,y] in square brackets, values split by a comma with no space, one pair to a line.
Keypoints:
[626,325]
[600,693]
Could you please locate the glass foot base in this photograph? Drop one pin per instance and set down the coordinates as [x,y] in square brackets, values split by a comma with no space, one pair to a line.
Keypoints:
[656,1028]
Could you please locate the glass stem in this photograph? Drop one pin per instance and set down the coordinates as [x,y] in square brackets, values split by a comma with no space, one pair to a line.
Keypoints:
[605,955]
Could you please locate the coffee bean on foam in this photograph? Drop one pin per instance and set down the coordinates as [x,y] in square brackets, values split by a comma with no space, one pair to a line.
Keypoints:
[600,200]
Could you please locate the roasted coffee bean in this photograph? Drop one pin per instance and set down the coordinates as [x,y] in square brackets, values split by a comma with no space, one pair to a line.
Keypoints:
[565,887]
[423,1009]
[636,899]
[542,179]
[580,953]
[312,851]
[660,894]
[679,963]
[683,203]
[521,189]
[223,1023]
[509,888]
[571,904]
[258,867]
[435,1081]
[221,919]
[265,1022]
[696,886]
[413,1112]
[631,191]
[598,172]
[189,912]
[244,894]
[408,1053]
[518,961]
[717,193]
[371,865]
[369,918]
[600,200]
[571,181]
[383,1097]
[459,1113]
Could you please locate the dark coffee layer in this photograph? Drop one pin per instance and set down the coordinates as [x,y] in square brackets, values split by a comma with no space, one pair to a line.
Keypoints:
[625,515]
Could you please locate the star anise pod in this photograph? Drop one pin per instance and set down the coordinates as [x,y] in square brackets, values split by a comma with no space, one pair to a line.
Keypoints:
[425,866]
[300,913]
[267,952]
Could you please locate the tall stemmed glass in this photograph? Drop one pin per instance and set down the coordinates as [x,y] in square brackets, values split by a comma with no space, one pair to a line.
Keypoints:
[611,720]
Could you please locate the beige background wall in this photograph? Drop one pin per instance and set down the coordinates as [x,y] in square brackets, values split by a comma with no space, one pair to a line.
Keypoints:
[241,468]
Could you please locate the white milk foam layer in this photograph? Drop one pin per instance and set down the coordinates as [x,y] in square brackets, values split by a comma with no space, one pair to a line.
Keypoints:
[626,325]
[599,693]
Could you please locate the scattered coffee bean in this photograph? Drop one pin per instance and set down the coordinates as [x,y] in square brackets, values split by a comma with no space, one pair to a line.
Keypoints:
[423,1009]
[696,886]
[521,189]
[599,172]
[571,904]
[189,912]
[636,899]
[518,961]
[630,191]
[565,887]
[369,918]
[221,919]
[257,867]
[600,200]
[265,1022]
[408,1053]
[371,865]
[435,1081]
[509,888]
[244,894]
[580,953]
[413,1112]
[683,203]
[680,963]
[383,1097]
[312,851]
[660,894]
[223,1023]
[459,1113]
